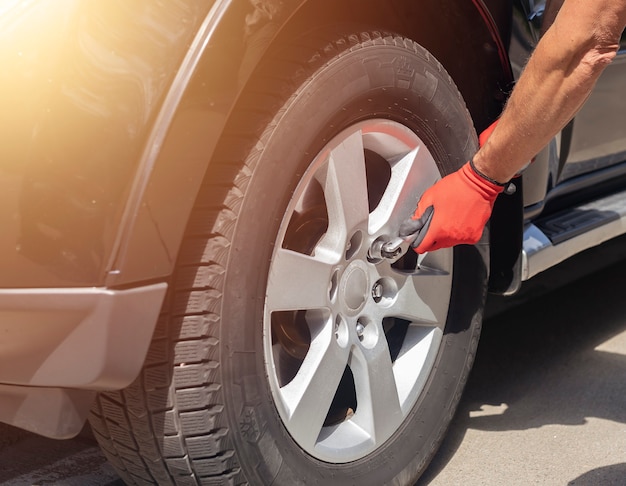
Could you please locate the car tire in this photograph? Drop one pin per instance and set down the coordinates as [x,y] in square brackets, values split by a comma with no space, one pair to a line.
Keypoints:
[288,352]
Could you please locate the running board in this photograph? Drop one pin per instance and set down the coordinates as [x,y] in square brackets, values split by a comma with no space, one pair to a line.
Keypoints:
[550,240]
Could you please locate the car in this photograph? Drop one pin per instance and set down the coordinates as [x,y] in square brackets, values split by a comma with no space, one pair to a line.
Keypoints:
[198,201]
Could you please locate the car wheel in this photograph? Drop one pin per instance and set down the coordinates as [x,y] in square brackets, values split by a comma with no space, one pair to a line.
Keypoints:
[288,353]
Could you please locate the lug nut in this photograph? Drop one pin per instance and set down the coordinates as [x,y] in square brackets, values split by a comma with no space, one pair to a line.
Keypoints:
[377,292]
[360,329]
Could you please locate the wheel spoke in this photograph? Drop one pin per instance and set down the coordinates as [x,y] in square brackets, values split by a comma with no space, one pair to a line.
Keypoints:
[297,282]
[309,395]
[423,298]
[378,404]
[411,175]
[345,190]
[437,262]
[415,359]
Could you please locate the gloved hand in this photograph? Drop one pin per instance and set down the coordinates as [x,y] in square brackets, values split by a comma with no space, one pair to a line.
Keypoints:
[455,210]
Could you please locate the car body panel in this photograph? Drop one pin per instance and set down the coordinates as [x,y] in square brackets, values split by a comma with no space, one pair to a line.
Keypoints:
[76,338]
[233,37]
[81,85]
[58,413]
[598,137]
[60,345]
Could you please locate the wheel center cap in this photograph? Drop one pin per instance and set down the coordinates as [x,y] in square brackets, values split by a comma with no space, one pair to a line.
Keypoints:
[354,287]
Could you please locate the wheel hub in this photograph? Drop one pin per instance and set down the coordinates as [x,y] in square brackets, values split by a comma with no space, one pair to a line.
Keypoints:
[353,286]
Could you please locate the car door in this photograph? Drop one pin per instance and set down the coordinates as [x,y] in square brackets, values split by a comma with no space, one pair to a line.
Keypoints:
[596,137]
[598,132]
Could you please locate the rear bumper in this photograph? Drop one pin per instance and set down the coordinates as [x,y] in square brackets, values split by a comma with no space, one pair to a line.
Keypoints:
[59,346]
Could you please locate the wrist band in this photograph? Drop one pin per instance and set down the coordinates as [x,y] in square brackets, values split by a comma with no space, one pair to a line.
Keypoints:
[485,176]
[509,187]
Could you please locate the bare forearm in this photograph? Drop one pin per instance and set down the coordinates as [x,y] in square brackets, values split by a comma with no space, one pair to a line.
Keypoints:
[556,82]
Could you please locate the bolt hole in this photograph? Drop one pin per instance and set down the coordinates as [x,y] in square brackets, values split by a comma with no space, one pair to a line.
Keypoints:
[366,332]
[354,245]
[334,285]
[341,331]
[360,330]
[385,291]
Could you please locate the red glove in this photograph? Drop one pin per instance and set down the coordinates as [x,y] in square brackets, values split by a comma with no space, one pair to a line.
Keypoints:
[452,212]
[455,210]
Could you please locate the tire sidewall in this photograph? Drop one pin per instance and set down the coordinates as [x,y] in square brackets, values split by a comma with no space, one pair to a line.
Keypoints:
[376,81]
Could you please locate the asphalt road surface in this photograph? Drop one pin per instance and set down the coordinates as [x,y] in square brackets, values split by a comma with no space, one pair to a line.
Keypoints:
[545,404]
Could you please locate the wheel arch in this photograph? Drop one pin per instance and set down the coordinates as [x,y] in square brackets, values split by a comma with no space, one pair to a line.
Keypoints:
[466,37]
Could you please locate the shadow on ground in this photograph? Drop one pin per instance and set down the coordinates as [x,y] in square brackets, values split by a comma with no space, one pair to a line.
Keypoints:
[548,361]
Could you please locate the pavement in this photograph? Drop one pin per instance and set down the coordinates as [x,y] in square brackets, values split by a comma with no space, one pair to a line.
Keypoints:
[27,460]
[545,403]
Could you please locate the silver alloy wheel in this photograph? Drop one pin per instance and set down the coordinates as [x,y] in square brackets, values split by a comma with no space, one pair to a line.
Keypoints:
[349,343]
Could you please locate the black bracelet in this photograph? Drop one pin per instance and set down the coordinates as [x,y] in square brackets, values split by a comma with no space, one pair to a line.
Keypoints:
[485,176]
[509,187]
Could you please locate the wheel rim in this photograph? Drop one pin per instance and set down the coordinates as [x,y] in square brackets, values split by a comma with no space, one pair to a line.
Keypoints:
[349,343]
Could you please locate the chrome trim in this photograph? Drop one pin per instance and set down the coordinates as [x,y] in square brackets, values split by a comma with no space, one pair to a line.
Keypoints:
[539,253]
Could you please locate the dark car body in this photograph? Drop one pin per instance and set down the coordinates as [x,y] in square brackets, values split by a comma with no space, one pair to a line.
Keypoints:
[110,112]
